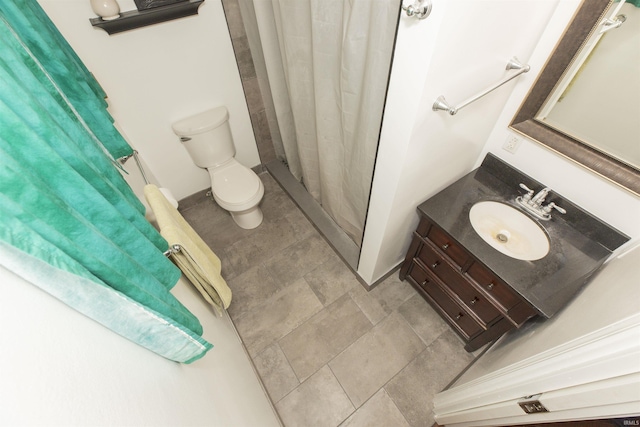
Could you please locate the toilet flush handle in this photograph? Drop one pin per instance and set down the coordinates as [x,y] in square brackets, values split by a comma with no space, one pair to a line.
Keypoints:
[184,139]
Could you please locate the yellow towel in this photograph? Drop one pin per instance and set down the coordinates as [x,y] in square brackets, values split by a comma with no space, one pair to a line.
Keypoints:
[196,260]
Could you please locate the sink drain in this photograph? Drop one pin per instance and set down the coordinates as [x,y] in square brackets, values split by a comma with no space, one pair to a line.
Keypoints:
[502,237]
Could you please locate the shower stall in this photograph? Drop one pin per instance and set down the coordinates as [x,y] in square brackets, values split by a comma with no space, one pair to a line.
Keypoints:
[323,68]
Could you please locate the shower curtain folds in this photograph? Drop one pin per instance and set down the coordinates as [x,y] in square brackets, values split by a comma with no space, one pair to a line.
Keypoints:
[48,50]
[63,203]
[329,87]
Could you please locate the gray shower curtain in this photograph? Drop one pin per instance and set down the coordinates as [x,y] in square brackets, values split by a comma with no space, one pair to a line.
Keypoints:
[329,81]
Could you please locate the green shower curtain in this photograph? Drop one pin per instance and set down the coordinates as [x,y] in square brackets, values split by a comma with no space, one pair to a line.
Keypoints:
[63,203]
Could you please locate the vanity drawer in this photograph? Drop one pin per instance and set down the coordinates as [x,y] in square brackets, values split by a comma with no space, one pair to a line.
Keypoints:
[457,316]
[469,296]
[419,275]
[499,291]
[448,246]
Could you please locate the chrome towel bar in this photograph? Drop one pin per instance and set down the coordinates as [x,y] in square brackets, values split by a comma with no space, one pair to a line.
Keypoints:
[134,154]
[513,64]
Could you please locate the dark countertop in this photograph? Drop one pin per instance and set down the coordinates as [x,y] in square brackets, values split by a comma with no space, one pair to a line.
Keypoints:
[579,242]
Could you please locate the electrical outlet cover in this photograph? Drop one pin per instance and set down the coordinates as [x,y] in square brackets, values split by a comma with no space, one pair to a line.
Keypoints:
[511,144]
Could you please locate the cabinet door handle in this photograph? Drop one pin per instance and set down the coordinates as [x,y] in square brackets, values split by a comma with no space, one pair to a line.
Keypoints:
[445,246]
[490,286]
[459,316]
[435,264]
[474,301]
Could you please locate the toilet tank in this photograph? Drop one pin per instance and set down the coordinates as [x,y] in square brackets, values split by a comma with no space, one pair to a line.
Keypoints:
[207,137]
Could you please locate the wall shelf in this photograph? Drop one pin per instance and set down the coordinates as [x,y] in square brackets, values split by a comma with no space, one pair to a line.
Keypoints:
[140,18]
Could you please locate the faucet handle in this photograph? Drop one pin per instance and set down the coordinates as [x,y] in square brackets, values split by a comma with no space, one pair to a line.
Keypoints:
[529,191]
[547,209]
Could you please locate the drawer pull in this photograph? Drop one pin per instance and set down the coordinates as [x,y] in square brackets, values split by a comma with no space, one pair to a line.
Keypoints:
[445,246]
[474,301]
[459,316]
[424,282]
[490,286]
[435,264]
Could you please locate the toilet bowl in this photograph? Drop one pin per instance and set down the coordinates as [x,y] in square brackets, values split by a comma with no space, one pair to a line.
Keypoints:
[235,188]
[238,190]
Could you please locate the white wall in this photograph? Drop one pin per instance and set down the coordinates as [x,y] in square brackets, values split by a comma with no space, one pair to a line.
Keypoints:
[461,49]
[158,74]
[59,367]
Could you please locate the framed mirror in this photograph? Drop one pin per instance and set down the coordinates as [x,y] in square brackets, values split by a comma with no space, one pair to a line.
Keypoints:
[602,134]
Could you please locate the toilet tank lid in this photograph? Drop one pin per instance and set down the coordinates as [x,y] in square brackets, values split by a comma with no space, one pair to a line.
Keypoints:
[201,122]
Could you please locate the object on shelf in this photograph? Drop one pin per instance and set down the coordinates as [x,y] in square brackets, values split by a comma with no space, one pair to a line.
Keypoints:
[106,9]
[150,4]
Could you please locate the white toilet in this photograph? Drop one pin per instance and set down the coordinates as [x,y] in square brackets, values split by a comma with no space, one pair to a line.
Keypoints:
[235,187]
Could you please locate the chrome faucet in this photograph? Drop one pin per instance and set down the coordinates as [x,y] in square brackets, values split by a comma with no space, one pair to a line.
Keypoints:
[533,204]
[538,198]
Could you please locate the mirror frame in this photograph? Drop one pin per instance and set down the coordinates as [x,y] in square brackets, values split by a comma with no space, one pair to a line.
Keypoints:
[588,15]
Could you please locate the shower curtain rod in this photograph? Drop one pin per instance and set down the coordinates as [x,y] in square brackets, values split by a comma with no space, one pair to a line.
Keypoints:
[420,9]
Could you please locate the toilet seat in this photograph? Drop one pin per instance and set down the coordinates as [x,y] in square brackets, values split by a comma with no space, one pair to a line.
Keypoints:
[235,187]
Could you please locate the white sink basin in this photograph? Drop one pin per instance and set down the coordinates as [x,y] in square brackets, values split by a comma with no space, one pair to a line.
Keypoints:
[509,231]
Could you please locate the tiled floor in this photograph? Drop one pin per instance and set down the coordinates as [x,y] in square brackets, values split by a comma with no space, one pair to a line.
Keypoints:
[329,352]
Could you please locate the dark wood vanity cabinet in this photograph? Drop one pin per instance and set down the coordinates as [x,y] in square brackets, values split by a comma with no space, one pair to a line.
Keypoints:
[478,305]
